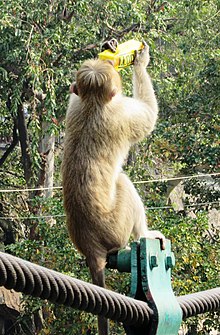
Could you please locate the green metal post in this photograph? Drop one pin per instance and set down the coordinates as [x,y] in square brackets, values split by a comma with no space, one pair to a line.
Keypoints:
[150,269]
[156,267]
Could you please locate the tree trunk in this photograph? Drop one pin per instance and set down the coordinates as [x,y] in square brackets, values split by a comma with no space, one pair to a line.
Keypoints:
[24,142]
[47,146]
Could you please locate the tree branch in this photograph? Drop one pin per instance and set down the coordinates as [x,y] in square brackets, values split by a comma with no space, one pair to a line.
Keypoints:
[121,33]
[13,68]
[12,145]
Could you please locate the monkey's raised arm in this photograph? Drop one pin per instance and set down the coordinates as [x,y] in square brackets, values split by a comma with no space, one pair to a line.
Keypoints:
[142,109]
[142,85]
[141,119]
[143,88]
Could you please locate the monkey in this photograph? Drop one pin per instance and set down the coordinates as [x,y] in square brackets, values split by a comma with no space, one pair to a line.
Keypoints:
[101,204]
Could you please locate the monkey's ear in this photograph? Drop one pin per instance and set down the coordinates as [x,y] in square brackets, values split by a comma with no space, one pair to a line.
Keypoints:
[73,88]
[113,93]
[111,62]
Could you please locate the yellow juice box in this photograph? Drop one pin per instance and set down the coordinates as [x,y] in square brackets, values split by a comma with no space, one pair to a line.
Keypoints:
[124,54]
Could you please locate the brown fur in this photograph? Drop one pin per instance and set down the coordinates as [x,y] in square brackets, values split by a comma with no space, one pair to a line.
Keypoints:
[102,206]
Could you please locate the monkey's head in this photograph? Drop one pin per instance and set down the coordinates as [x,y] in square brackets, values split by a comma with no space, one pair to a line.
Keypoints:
[97,79]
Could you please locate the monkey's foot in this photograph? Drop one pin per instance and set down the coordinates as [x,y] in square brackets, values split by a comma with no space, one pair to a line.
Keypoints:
[152,234]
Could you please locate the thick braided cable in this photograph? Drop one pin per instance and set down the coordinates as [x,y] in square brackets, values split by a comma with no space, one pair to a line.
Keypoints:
[200,302]
[35,280]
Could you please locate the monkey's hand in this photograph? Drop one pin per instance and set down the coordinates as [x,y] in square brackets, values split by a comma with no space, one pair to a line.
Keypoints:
[152,234]
[142,58]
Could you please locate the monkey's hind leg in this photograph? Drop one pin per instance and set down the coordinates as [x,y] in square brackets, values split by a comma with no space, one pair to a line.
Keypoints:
[96,266]
[132,206]
[140,228]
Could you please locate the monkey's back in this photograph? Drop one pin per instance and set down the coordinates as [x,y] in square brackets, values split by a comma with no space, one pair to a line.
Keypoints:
[94,150]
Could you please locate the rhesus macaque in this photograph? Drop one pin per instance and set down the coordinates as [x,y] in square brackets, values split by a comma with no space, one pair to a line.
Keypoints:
[102,206]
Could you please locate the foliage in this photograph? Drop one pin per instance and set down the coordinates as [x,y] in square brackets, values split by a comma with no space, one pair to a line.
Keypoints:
[197,267]
[41,46]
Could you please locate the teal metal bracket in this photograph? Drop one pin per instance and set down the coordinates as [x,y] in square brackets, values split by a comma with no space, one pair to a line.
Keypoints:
[150,269]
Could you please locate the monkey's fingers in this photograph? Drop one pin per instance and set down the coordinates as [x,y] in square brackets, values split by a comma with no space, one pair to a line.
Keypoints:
[162,243]
[142,57]
[145,48]
[155,234]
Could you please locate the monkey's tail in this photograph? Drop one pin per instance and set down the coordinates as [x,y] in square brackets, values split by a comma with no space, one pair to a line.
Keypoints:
[97,269]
